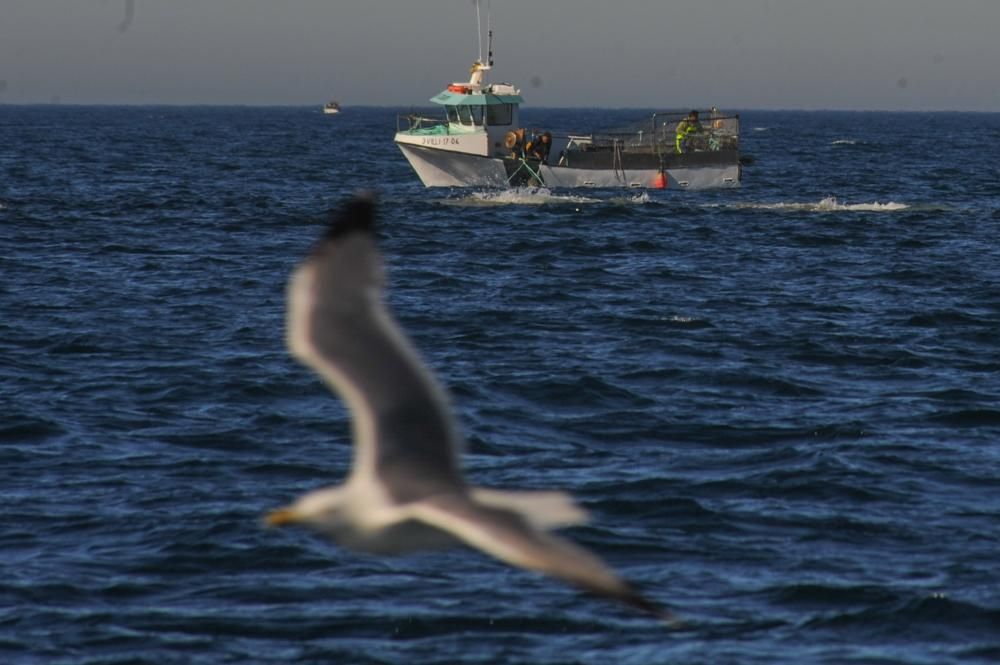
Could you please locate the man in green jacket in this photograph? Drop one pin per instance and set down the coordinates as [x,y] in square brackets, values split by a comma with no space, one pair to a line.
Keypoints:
[685,128]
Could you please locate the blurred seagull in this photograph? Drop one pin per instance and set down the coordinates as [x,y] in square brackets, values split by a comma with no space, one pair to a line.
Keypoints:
[129,15]
[405,491]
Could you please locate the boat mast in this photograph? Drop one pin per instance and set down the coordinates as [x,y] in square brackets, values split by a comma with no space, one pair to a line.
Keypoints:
[489,43]
[479,31]
[479,67]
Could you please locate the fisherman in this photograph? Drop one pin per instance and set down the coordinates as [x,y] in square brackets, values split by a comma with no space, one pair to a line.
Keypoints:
[685,128]
[538,147]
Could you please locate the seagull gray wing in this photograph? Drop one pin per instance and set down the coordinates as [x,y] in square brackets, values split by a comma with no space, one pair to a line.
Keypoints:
[339,325]
[509,537]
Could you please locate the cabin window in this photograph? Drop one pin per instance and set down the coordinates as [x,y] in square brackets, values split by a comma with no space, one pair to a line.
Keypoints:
[452,112]
[477,115]
[499,114]
[465,115]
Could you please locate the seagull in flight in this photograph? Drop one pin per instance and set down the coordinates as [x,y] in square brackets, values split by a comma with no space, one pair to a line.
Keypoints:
[405,490]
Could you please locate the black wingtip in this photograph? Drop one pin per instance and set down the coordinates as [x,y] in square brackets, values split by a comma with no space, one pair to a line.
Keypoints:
[357,215]
[651,608]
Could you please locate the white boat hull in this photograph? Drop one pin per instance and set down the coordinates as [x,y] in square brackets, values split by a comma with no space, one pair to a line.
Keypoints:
[446,168]
[703,177]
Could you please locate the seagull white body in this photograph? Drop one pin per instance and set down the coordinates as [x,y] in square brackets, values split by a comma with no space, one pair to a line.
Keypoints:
[405,491]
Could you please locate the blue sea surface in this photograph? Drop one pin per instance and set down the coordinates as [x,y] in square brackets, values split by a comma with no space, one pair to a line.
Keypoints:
[780,403]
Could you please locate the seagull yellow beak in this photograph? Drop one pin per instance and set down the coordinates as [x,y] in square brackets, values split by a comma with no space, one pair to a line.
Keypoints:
[281,517]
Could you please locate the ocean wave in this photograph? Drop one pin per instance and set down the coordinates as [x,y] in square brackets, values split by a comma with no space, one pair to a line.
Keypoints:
[828,204]
[778,409]
[892,614]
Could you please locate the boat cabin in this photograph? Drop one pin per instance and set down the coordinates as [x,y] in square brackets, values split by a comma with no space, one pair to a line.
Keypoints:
[496,106]
[477,118]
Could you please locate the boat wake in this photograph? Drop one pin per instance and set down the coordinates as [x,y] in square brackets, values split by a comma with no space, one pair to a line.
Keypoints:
[545,196]
[518,196]
[635,198]
[829,204]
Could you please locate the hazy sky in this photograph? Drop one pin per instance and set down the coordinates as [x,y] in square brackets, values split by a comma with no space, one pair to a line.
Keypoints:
[789,54]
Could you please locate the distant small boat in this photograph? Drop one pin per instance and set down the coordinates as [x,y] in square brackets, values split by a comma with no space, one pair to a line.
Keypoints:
[331,107]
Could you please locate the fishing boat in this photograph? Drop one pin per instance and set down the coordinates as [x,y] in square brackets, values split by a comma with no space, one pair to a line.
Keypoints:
[331,107]
[479,141]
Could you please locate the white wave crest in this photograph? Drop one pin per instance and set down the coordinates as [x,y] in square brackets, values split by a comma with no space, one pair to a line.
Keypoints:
[829,204]
[633,199]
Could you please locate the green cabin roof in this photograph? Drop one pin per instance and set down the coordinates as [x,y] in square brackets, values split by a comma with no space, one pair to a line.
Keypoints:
[448,98]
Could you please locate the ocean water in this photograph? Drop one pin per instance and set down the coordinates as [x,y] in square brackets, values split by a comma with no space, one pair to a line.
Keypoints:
[780,403]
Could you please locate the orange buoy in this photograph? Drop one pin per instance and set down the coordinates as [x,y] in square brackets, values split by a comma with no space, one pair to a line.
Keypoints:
[660,180]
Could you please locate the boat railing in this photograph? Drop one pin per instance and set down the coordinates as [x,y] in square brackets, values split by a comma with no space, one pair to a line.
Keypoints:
[418,124]
[659,134]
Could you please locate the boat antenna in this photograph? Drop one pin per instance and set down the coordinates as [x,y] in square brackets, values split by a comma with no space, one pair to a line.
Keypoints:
[479,31]
[489,29]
